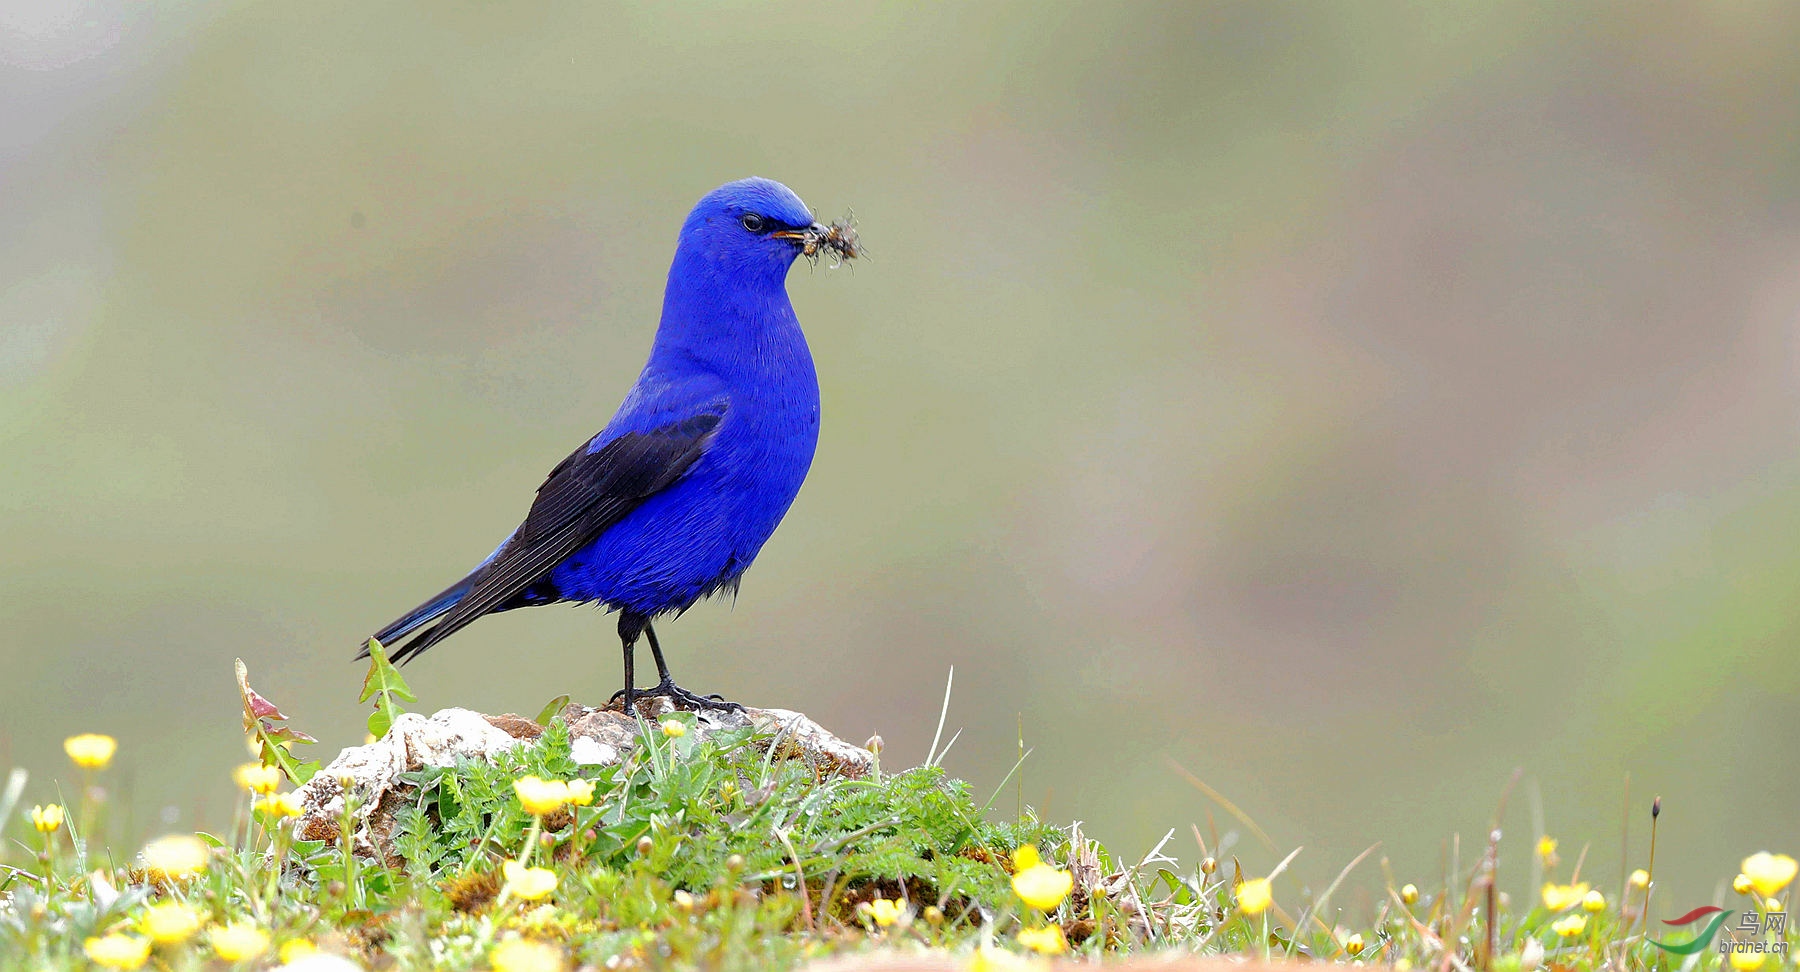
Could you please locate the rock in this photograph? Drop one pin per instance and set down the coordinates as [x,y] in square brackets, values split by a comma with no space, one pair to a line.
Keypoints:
[603,736]
[599,737]
[373,773]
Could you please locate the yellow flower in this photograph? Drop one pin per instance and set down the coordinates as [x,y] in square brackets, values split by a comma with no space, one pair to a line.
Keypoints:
[90,750]
[886,911]
[674,728]
[1547,848]
[1254,896]
[117,951]
[171,922]
[1769,873]
[528,883]
[1640,878]
[1741,884]
[1560,896]
[177,855]
[238,941]
[280,805]
[581,792]
[257,778]
[1047,940]
[1570,926]
[1354,944]
[1593,901]
[294,950]
[525,955]
[47,820]
[1038,884]
[1747,961]
[1410,894]
[540,797]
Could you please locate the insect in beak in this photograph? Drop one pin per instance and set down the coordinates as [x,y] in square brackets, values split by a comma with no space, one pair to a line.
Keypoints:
[838,239]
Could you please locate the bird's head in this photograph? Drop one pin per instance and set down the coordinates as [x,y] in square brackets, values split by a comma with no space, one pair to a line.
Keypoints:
[755,227]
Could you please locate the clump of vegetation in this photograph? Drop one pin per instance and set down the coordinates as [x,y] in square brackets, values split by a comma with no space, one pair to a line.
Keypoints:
[714,854]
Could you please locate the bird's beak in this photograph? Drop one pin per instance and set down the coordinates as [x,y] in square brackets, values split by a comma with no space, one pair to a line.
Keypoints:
[809,237]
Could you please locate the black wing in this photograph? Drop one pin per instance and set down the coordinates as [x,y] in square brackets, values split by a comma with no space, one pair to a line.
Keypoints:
[582,497]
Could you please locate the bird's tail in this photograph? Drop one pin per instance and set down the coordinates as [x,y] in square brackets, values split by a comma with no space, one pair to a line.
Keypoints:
[420,616]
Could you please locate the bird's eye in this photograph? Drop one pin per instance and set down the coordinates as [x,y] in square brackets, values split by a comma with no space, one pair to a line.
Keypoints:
[752,222]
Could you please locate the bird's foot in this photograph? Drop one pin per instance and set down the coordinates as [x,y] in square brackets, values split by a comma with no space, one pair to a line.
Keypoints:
[682,698]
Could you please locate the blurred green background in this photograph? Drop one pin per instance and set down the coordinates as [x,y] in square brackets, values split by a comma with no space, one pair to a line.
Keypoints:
[1351,402]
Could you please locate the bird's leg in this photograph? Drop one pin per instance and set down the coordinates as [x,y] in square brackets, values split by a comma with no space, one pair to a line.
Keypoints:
[666,686]
[629,626]
[662,667]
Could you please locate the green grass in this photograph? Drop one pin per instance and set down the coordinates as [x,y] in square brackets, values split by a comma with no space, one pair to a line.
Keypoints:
[712,855]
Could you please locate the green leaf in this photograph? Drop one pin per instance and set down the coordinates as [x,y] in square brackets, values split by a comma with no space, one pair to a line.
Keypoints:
[1179,892]
[260,724]
[275,754]
[384,685]
[552,709]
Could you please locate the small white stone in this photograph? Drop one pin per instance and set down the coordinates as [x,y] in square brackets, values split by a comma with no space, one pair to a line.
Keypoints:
[588,751]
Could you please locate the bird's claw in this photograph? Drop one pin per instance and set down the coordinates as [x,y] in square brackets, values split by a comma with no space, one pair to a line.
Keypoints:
[682,698]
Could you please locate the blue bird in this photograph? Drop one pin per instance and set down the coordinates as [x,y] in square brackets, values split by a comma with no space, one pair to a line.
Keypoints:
[671,502]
